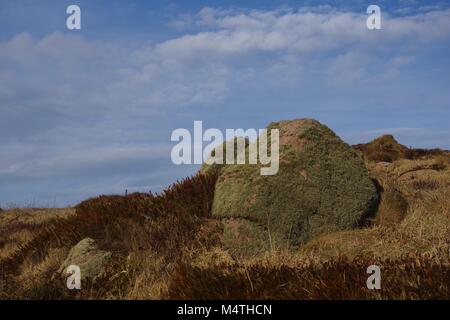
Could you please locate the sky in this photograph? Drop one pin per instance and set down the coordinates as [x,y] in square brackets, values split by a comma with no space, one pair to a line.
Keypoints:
[91,111]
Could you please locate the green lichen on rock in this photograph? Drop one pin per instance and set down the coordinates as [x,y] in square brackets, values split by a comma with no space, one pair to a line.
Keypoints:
[216,167]
[322,185]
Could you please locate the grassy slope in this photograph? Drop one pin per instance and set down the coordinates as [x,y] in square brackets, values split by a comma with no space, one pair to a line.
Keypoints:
[19,226]
[170,246]
[411,247]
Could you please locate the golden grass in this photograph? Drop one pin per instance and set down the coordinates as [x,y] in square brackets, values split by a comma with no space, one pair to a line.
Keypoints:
[20,226]
[169,246]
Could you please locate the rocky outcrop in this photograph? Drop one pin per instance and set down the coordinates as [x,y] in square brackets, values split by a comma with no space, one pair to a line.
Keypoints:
[322,186]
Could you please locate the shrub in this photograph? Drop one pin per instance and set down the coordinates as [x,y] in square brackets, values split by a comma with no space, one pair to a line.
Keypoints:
[165,223]
[413,154]
[425,184]
[415,277]
[393,207]
[441,162]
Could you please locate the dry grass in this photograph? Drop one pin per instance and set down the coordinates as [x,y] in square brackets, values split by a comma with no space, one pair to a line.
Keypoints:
[135,228]
[409,239]
[20,226]
[169,246]
[418,277]
[409,219]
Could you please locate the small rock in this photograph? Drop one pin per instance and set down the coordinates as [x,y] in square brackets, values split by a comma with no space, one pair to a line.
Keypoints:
[88,257]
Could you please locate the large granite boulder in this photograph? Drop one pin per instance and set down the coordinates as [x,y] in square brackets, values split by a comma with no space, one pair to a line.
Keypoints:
[322,186]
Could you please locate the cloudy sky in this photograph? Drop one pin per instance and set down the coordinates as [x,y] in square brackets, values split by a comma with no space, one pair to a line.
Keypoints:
[91,111]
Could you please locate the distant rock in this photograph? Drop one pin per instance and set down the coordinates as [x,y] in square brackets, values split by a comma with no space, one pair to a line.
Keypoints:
[88,257]
[322,186]
[383,149]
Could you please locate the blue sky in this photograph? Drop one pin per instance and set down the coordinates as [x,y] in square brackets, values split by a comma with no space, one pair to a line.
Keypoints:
[91,111]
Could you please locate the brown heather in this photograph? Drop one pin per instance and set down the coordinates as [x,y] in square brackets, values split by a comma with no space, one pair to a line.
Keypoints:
[169,246]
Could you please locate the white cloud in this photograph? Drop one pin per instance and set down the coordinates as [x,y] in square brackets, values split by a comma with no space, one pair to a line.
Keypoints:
[300,31]
[75,106]
[64,73]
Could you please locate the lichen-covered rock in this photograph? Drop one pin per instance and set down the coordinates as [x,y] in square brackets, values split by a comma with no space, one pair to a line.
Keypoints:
[88,257]
[215,167]
[322,186]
